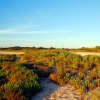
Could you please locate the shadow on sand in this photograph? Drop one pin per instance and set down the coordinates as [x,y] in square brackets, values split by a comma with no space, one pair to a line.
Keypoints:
[52,91]
[48,88]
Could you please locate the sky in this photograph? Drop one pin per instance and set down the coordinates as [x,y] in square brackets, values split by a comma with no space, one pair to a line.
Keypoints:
[50,23]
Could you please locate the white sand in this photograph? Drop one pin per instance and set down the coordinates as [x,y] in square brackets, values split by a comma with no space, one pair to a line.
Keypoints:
[6,52]
[87,53]
[52,91]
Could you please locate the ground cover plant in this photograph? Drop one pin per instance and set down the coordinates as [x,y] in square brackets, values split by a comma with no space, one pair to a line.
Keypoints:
[16,81]
[81,72]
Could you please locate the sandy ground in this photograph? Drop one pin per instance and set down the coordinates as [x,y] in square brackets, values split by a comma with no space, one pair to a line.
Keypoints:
[52,91]
[4,52]
[81,53]
[87,53]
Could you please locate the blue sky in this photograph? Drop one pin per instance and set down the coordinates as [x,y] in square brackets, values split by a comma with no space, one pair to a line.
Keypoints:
[50,23]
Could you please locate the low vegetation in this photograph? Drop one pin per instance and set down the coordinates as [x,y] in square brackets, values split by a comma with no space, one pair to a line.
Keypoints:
[19,79]
[81,72]
[16,81]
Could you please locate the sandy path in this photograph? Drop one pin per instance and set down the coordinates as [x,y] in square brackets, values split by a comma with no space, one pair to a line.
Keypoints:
[87,53]
[52,91]
[4,52]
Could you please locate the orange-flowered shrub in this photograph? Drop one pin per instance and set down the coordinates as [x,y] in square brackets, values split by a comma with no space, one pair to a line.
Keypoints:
[57,78]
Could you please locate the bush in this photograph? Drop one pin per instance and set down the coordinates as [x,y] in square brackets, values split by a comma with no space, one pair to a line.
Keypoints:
[19,79]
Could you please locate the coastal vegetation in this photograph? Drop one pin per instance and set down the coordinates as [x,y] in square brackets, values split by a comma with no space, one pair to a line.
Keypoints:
[20,75]
[17,82]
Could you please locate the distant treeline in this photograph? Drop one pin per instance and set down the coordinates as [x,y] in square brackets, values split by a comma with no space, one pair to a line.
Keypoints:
[82,49]
[24,48]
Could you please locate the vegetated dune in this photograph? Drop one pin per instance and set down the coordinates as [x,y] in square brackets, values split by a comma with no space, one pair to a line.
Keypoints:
[52,91]
[6,52]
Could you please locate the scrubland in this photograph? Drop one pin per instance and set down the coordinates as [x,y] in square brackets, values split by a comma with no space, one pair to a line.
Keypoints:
[21,75]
